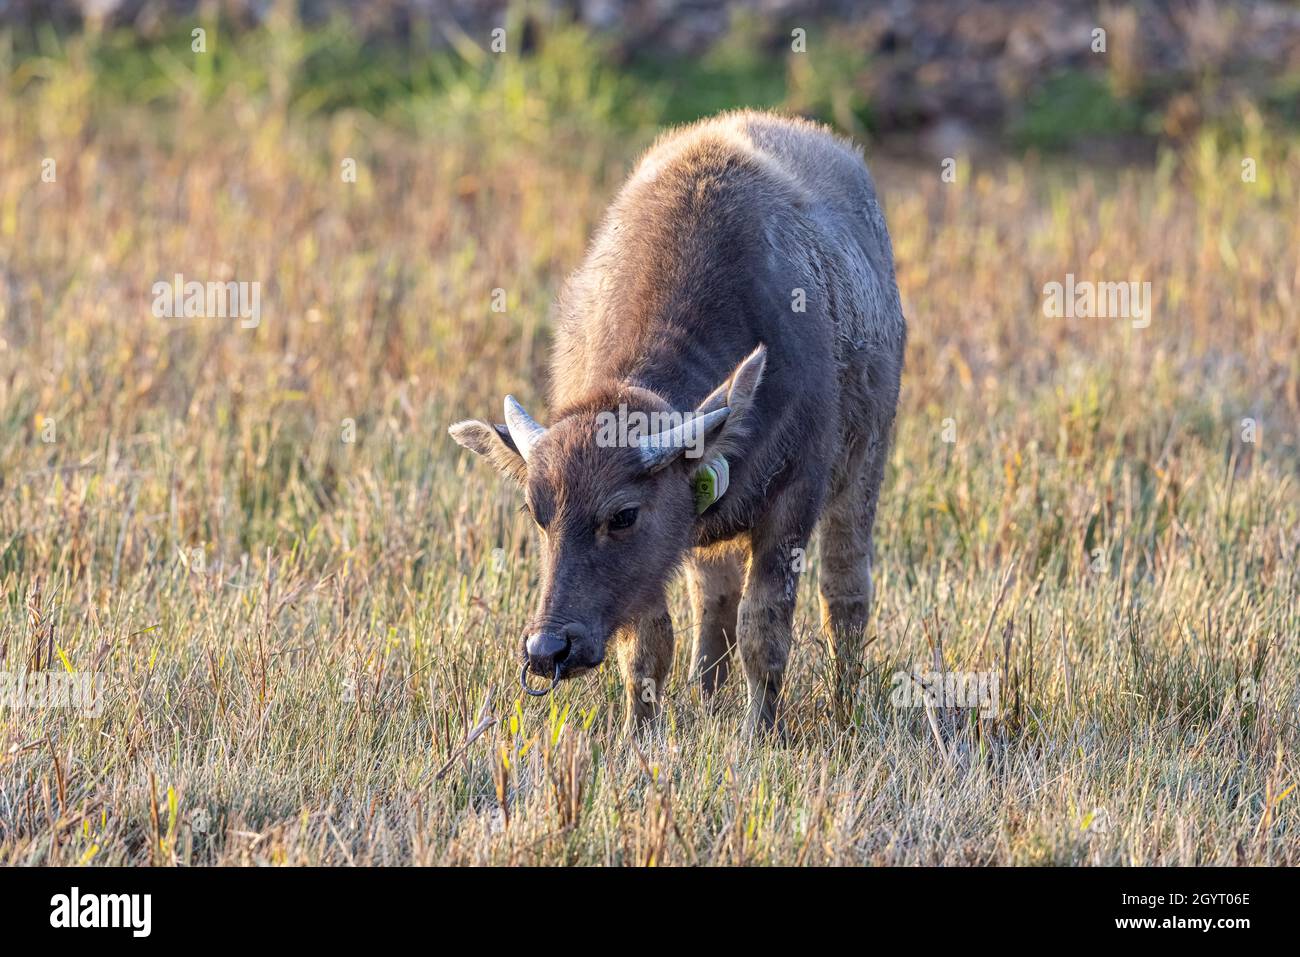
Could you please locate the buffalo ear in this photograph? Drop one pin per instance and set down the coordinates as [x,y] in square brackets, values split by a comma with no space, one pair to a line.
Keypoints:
[745,380]
[737,390]
[737,395]
[494,443]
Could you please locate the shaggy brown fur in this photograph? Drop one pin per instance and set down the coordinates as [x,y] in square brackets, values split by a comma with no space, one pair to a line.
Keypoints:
[746,265]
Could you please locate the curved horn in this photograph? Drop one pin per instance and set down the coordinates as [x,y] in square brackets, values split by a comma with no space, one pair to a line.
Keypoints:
[524,429]
[663,446]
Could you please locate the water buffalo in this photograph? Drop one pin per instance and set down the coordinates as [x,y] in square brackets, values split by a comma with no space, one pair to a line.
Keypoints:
[734,328]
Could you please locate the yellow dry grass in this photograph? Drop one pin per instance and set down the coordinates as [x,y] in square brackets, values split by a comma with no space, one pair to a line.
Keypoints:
[298,633]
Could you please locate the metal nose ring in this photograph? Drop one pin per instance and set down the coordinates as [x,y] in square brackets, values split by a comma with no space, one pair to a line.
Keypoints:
[523,682]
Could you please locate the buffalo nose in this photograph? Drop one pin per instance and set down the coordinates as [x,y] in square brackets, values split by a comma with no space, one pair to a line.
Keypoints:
[545,650]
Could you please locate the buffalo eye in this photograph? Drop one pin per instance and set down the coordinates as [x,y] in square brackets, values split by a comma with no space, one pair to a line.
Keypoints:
[624,518]
[528,510]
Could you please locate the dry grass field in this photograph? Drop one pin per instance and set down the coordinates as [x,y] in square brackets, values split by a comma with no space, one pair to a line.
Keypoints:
[305,600]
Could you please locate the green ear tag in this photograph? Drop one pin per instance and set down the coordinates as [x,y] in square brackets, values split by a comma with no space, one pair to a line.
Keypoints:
[710,482]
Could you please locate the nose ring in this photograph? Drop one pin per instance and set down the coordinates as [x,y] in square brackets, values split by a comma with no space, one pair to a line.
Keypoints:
[523,682]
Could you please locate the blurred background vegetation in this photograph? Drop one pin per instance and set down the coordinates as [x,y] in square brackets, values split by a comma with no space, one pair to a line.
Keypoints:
[943,77]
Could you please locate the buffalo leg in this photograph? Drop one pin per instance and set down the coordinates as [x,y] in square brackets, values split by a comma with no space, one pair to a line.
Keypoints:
[716,577]
[645,656]
[845,573]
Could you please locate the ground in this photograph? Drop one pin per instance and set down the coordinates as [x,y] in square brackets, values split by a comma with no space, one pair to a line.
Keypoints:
[305,600]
